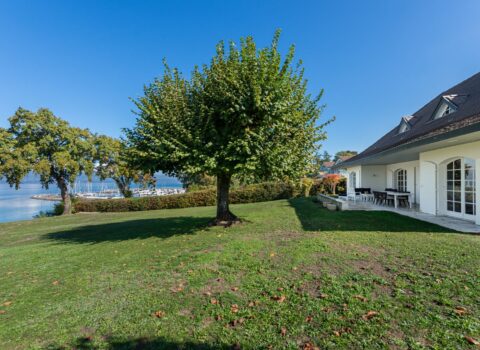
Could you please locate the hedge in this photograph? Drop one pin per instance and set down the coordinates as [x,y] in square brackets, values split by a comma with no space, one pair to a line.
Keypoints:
[261,192]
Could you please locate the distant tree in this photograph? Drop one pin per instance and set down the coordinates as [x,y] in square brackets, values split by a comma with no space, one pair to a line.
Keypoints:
[344,154]
[326,157]
[246,113]
[197,180]
[49,146]
[112,163]
[331,181]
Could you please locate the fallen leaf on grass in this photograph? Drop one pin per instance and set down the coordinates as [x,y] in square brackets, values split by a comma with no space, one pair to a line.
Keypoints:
[272,255]
[309,346]
[370,315]
[218,318]
[323,296]
[213,301]
[471,340]
[56,283]
[7,303]
[2,312]
[342,331]
[361,298]
[309,319]
[460,311]
[159,314]
[279,299]
[235,323]
[234,308]
[234,289]
[283,332]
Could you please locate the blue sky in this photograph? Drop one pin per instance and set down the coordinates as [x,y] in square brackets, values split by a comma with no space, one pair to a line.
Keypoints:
[376,60]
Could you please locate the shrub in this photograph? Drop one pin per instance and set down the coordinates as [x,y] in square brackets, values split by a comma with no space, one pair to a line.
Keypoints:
[306,185]
[320,186]
[266,191]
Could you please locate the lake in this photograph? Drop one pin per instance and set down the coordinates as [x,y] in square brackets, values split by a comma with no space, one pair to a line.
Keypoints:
[18,205]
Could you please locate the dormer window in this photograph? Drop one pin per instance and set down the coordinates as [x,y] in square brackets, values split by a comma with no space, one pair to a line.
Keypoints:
[404,124]
[445,107]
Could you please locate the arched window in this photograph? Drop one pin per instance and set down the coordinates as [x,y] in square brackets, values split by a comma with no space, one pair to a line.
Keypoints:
[352,180]
[401,180]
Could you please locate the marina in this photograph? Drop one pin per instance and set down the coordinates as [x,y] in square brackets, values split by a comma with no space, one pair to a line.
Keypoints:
[113,194]
[31,199]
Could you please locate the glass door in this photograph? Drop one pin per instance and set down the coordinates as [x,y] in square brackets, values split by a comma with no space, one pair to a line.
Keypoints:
[461,188]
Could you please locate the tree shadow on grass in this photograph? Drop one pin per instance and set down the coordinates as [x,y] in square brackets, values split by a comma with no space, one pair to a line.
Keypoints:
[131,229]
[313,217]
[84,343]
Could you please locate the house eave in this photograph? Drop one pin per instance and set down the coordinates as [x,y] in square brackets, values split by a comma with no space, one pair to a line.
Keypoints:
[415,146]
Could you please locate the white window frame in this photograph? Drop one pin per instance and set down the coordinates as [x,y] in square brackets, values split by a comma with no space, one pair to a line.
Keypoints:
[401,180]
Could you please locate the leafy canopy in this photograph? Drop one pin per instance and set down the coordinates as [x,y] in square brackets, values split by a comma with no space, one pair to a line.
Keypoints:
[248,113]
[47,145]
[111,163]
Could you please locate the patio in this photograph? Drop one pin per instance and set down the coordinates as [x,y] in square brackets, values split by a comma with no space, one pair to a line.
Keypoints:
[414,212]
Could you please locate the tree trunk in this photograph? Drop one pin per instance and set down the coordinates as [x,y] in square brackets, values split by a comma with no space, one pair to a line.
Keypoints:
[67,203]
[224,216]
[124,187]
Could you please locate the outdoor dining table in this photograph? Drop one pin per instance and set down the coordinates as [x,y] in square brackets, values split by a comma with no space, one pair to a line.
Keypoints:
[400,194]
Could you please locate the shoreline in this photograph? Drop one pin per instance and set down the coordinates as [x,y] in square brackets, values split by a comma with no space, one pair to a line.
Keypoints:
[166,191]
[47,197]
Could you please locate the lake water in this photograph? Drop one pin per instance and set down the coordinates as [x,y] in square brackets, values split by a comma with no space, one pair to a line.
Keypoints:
[18,205]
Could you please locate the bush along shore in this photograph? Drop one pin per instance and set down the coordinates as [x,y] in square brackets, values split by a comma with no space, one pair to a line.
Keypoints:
[262,192]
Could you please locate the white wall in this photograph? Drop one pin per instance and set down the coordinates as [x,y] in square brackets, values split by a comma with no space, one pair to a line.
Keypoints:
[374,177]
[430,160]
[428,185]
[413,177]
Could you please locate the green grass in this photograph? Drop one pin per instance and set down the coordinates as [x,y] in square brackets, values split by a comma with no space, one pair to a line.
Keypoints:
[95,281]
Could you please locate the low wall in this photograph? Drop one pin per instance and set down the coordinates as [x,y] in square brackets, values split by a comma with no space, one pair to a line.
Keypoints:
[340,203]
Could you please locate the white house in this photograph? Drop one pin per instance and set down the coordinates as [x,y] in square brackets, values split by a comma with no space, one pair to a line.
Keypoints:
[434,154]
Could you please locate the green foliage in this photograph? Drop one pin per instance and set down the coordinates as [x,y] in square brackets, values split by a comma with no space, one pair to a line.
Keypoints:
[58,209]
[196,181]
[321,187]
[47,145]
[247,113]
[344,154]
[306,185]
[112,163]
[247,194]
[15,160]
[326,157]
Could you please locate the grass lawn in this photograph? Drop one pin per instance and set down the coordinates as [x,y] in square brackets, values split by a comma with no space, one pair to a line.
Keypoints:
[293,275]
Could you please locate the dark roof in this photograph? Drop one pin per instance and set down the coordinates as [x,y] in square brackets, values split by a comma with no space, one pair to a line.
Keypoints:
[328,164]
[466,98]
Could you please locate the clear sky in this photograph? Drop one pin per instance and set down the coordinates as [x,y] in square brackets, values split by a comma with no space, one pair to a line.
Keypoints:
[376,60]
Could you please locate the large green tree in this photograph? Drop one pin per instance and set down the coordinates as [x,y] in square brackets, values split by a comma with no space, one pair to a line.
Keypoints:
[112,163]
[246,113]
[49,146]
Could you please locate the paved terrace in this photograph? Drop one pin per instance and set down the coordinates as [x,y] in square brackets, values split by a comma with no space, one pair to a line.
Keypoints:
[445,221]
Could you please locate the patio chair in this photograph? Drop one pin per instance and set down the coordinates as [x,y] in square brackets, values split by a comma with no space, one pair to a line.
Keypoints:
[404,200]
[383,198]
[354,195]
[376,197]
